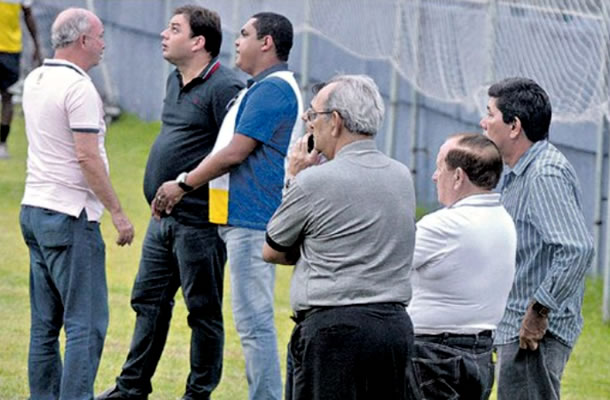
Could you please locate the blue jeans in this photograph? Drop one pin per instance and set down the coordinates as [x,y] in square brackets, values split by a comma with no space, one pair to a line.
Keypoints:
[67,288]
[350,352]
[173,256]
[531,375]
[451,366]
[252,285]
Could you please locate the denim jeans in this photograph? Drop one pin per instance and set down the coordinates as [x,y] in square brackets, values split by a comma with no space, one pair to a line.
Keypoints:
[451,366]
[67,288]
[531,375]
[252,286]
[351,352]
[176,255]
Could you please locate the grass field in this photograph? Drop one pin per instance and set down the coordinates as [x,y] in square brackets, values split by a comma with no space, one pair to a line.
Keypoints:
[128,141]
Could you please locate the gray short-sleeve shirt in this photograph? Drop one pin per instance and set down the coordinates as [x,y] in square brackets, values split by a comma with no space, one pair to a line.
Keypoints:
[354,219]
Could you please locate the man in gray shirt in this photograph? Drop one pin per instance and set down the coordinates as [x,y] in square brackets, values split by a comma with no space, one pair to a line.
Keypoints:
[348,225]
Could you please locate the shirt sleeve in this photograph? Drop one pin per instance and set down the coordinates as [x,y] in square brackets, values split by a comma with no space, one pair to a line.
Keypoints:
[430,241]
[286,226]
[557,215]
[268,108]
[83,107]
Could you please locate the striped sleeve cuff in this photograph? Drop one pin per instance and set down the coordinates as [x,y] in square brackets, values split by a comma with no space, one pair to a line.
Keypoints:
[543,297]
[276,246]
[85,130]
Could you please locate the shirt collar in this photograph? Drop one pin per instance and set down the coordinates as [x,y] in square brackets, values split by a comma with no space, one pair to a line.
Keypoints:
[356,146]
[203,75]
[478,200]
[58,62]
[277,67]
[529,156]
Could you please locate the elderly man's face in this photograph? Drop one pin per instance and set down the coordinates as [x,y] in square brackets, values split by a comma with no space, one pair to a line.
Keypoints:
[319,123]
[443,177]
[94,41]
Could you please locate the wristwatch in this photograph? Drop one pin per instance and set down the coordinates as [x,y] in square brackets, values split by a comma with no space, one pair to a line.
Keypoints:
[542,310]
[181,179]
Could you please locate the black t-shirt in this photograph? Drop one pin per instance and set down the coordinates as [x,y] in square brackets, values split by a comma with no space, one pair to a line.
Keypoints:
[191,118]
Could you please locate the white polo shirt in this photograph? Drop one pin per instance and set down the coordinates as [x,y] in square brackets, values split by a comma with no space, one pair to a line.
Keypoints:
[59,98]
[463,267]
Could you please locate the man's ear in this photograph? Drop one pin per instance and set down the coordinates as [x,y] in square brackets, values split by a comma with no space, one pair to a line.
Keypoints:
[515,128]
[336,123]
[458,174]
[199,43]
[267,43]
[461,177]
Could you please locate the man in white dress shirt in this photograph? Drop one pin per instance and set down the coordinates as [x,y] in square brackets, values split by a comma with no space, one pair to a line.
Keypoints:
[463,269]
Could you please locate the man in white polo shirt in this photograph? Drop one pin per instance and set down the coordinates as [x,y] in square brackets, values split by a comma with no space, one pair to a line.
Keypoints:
[66,190]
[463,269]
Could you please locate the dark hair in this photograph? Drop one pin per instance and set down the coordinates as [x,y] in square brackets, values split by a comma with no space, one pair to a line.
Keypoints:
[524,99]
[280,30]
[479,157]
[206,23]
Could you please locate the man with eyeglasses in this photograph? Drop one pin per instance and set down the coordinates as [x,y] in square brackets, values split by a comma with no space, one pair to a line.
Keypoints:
[248,161]
[352,249]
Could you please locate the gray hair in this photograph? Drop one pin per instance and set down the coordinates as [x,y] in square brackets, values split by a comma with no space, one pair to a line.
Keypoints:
[357,99]
[66,31]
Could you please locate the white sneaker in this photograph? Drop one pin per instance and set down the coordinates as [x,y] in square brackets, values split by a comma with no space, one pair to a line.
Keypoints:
[4,151]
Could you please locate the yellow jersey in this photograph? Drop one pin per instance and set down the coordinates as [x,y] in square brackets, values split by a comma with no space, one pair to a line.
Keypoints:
[10,26]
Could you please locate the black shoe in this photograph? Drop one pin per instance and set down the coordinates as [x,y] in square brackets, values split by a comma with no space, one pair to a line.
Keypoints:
[115,393]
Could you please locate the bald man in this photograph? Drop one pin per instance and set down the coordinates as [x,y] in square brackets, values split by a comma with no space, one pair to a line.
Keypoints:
[67,188]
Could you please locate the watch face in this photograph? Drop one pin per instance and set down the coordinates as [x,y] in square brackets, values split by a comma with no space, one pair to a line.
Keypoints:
[540,309]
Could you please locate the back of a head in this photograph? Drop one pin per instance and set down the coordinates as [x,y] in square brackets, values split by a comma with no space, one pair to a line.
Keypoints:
[357,99]
[478,157]
[69,25]
[279,28]
[525,99]
[206,23]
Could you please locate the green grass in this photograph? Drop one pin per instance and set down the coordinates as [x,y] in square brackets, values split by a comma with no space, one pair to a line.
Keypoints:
[128,142]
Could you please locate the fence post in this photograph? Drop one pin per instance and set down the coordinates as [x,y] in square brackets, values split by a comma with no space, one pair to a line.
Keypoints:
[602,132]
[394,82]
[492,16]
[305,51]
[415,97]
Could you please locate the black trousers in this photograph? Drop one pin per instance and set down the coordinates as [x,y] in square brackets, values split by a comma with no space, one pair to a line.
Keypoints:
[453,366]
[350,352]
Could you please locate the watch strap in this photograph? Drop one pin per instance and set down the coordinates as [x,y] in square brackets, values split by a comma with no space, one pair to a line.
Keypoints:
[182,182]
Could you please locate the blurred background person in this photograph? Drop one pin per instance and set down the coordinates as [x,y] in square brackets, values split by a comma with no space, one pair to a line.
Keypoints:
[10,54]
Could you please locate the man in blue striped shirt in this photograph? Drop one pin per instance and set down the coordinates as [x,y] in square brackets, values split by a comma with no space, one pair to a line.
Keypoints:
[554,247]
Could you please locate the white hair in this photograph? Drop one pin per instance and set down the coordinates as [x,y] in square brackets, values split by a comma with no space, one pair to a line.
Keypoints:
[66,31]
[357,99]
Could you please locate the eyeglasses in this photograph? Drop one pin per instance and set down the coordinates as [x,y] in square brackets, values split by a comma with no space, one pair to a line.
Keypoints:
[311,115]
